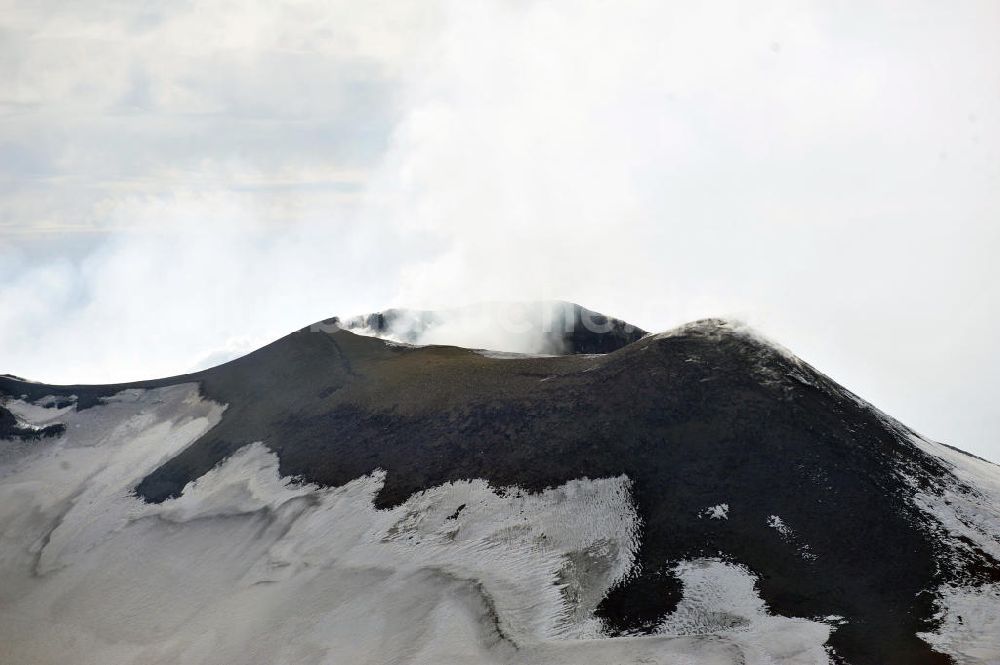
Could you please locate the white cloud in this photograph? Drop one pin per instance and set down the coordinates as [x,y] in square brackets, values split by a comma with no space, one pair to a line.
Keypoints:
[824,173]
[193,276]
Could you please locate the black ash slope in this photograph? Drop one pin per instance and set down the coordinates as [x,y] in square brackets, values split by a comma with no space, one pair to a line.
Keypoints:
[704,416]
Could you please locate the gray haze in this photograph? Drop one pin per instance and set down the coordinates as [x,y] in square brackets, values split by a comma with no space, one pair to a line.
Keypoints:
[183,182]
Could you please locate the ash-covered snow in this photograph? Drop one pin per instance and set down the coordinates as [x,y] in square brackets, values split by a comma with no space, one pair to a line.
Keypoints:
[968,512]
[779,525]
[720,598]
[41,412]
[717,512]
[970,624]
[246,566]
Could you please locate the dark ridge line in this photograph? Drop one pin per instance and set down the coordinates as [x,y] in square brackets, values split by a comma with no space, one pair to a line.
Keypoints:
[745,422]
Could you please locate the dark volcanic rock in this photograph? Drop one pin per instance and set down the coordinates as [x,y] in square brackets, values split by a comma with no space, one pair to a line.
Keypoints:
[705,415]
[8,423]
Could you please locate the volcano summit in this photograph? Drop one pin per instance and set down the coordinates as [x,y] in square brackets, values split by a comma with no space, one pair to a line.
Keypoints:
[694,496]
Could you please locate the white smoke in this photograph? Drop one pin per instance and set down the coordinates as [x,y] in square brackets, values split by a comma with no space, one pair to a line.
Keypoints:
[827,183]
[506,327]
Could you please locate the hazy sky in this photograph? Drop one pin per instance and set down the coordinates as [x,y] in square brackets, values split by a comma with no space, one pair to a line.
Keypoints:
[181,182]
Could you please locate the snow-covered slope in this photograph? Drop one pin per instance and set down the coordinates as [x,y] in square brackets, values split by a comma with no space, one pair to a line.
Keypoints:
[967,509]
[246,566]
[695,497]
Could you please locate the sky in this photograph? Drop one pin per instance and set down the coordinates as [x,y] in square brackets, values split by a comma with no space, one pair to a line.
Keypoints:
[183,182]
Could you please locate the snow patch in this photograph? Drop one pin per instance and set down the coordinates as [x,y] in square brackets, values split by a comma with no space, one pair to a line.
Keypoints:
[720,598]
[968,512]
[42,412]
[970,624]
[779,525]
[717,512]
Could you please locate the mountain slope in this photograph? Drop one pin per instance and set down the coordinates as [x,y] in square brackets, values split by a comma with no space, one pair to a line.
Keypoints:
[745,472]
